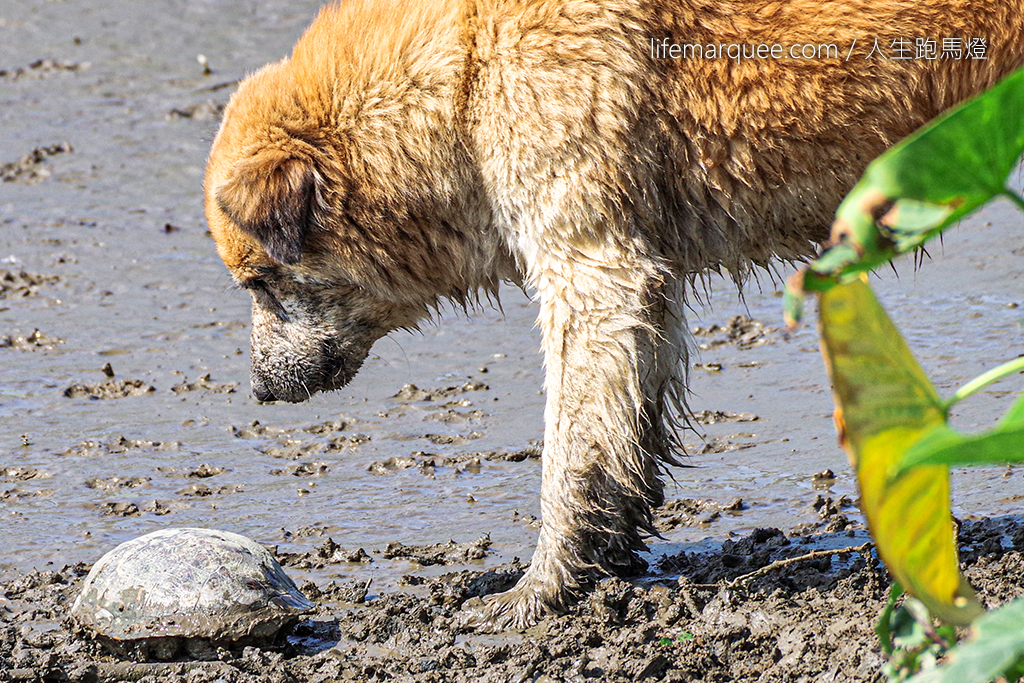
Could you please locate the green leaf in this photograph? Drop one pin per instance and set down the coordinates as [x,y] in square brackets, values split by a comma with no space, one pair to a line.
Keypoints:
[884,404]
[945,446]
[1014,416]
[929,180]
[997,648]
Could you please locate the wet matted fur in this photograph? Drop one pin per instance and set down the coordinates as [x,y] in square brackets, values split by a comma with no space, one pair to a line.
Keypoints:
[409,152]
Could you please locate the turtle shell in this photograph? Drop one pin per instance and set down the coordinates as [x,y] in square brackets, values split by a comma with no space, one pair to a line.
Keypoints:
[188,583]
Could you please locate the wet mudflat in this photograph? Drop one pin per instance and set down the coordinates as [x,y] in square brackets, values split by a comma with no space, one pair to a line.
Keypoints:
[125,408]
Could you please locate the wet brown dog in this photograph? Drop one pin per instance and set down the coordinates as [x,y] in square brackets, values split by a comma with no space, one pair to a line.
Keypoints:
[411,152]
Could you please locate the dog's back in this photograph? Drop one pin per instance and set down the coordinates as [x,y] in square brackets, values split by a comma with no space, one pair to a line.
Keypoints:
[767,140]
[730,129]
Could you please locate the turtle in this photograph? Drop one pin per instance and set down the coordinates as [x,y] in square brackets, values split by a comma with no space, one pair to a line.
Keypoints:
[185,588]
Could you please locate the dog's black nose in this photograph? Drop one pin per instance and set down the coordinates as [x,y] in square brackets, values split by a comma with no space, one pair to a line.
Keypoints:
[261,391]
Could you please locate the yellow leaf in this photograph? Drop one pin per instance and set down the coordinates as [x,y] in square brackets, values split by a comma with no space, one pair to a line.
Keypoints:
[884,403]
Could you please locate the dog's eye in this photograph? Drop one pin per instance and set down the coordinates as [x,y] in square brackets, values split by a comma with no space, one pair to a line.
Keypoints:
[264,296]
[257,284]
[256,279]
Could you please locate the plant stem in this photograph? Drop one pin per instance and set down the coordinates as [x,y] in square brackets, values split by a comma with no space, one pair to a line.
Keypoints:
[983,380]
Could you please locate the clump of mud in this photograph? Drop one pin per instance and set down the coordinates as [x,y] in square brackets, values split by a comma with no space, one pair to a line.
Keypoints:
[326,553]
[41,68]
[741,330]
[116,483]
[690,512]
[302,442]
[118,444]
[256,430]
[440,553]
[30,168]
[428,464]
[203,111]
[9,474]
[120,388]
[410,392]
[452,439]
[20,284]
[302,469]
[710,417]
[766,607]
[204,383]
[721,444]
[32,342]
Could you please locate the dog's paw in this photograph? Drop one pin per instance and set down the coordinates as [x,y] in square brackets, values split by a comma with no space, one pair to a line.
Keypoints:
[515,609]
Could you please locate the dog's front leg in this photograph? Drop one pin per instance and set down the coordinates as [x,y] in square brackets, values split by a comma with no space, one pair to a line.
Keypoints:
[599,480]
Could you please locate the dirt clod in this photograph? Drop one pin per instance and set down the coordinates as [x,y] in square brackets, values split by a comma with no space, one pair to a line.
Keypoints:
[202,111]
[710,417]
[692,512]
[410,392]
[121,388]
[41,68]
[30,168]
[204,383]
[440,553]
[119,444]
[743,331]
[21,284]
[32,342]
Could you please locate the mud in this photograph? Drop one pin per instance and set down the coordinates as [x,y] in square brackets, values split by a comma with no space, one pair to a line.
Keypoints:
[30,342]
[767,606]
[43,68]
[742,330]
[118,444]
[121,388]
[19,284]
[110,288]
[204,383]
[31,168]
[204,111]
[693,512]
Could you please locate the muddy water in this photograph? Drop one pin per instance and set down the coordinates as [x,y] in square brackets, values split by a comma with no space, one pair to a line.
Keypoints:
[115,221]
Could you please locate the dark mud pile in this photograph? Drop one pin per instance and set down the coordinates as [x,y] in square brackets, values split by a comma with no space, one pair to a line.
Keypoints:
[765,607]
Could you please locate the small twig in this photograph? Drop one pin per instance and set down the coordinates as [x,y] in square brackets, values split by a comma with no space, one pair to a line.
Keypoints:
[779,564]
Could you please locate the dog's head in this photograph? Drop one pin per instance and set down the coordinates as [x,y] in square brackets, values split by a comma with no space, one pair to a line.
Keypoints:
[344,219]
[315,311]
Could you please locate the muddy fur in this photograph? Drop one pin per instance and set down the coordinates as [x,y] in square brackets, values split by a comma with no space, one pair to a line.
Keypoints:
[408,153]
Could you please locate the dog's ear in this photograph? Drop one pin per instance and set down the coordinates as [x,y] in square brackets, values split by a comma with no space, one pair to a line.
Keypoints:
[270,197]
